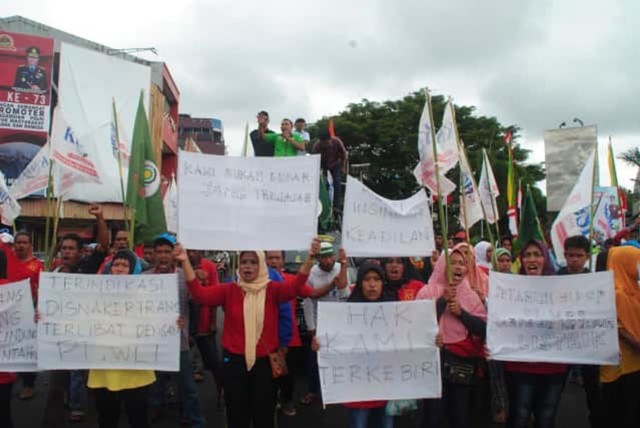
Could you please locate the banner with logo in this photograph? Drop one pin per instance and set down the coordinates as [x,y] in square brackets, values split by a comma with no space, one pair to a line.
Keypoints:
[26,65]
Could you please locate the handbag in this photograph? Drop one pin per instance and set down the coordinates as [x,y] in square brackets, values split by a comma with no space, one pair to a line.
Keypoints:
[278,362]
[458,370]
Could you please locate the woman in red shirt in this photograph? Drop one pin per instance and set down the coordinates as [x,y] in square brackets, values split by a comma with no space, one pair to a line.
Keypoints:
[250,332]
[534,388]
[6,379]
[462,320]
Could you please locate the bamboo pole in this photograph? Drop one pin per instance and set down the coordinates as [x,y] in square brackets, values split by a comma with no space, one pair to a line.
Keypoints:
[443,219]
[592,209]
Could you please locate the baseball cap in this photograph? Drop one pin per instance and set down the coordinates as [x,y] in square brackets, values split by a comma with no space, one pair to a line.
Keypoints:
[165,237]
[326,249]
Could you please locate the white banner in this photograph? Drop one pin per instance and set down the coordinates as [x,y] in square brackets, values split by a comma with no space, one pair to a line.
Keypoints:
[554,319]
[247,203]
[9,207]
[378,351]
[373,226]
[88,107]
[18,344]
[108,322]
[170,203]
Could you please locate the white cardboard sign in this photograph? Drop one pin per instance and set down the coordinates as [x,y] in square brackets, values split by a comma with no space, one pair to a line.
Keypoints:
[378,351]
[18,343]
[374,226]
[108,322]
[554,319]
[236,203]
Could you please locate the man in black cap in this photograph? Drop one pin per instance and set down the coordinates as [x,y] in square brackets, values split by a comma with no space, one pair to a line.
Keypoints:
[261,147]
[31,76]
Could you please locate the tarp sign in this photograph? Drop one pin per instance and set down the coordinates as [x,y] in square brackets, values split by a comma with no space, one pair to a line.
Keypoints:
[108,322]
[247,203]
[555,319]
[26,65]
[18,345]
[378,351]
[373,226]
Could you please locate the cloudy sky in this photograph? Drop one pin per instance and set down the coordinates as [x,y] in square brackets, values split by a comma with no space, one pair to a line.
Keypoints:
[530,63]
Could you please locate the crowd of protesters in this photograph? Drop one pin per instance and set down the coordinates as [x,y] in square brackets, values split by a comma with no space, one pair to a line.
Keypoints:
[260,332]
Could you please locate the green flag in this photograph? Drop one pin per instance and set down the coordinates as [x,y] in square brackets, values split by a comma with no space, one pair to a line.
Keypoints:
[529,226]
[144,196]
[324,220]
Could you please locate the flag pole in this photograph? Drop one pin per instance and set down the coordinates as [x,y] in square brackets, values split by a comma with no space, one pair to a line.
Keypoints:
[443,220]
[591,207]
[245,146]
[47,227]
[119,154]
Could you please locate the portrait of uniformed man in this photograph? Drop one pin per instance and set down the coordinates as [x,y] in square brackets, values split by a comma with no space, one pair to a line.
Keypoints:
[31,76]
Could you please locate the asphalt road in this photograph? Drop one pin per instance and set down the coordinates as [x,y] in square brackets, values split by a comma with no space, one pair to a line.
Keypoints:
[28,414]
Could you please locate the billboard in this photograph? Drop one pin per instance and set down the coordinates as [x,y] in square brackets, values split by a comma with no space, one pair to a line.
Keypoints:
[89,82]
[566,151]
[26,67]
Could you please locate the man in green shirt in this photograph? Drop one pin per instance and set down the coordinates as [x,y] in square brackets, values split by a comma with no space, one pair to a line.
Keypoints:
[286,144]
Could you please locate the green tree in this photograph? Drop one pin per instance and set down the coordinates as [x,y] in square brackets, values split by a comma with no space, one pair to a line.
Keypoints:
[385,135]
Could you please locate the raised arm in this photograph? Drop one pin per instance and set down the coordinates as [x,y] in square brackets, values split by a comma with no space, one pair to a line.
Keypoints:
[208,296]
[287,290]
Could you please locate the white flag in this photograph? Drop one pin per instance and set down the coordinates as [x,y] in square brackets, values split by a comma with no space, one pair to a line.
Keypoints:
[9,207]
[446,139]
[69,152]
[470,207]
[35,177]
[119,142]
[575,216]
[171,206]
[425,171]
[488,190]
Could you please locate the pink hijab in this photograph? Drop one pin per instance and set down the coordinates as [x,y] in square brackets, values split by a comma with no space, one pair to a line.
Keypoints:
[451,328]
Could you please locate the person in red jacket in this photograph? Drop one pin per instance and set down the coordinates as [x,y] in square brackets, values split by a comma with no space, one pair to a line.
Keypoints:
[6,379]
[534,388]
[250,332]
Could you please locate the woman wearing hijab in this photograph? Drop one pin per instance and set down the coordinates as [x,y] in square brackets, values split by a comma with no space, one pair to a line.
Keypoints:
[483,250]
[621,383]
[503,259]
[462,323]
[112,388]
[478,278]
[250,333]
[534,389]
[403,282]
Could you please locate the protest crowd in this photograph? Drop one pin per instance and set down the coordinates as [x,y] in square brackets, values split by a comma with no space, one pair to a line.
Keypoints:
[275,313]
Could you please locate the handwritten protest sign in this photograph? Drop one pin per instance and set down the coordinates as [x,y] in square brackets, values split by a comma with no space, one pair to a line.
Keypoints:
[558,319]
[247,203]
[378,351]
[108,322]
[373,226]
[18,345]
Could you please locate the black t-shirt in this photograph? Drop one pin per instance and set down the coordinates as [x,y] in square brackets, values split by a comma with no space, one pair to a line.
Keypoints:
[90,264]
[261,147]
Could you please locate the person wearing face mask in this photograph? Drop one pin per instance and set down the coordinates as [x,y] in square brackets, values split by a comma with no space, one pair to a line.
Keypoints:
[402,282]
[250,333]
[534,389]
[621,383]
[462,323]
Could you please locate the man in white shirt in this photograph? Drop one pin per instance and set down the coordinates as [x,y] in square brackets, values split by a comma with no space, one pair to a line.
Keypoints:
[327,271]
[299,126]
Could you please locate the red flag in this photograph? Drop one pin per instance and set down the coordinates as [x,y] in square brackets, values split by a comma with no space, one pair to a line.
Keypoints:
[332,130]
[507,138]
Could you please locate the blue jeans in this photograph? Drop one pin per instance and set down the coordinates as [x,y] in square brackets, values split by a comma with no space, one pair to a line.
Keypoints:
[77,391]
[535,394]
[360,418]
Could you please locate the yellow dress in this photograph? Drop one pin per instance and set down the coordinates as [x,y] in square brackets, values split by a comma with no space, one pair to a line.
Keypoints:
[118,380]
